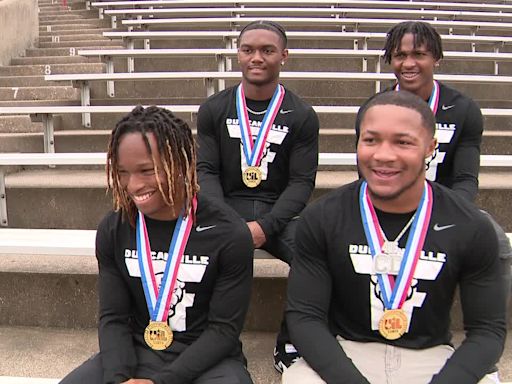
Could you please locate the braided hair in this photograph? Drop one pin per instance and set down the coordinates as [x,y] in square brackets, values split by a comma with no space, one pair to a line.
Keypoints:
[423,33]
[177,149]
[269,26]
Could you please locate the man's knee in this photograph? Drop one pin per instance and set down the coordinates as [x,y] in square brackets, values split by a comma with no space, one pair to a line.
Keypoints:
[301,373]
[228,371]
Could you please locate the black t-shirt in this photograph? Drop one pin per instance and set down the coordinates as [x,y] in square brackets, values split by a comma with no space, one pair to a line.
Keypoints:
[209,302]
[459,130]
[332,289]
[289,162]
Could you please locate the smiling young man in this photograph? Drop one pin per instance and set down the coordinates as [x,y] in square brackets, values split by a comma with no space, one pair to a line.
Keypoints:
[414,49]
[258,149]
[175,268]
[378,261]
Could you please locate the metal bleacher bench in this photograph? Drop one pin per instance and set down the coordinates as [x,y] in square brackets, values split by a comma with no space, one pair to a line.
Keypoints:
[99,158]
[46,113]
[222,56]
[334,12]
[82,80]
[318,22]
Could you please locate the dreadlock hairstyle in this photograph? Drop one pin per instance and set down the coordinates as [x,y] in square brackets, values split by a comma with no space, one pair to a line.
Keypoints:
[423,33]
[269,26]
[177,149]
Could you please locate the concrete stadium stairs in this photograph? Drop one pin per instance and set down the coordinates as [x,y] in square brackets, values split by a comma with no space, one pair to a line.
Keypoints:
[47,326]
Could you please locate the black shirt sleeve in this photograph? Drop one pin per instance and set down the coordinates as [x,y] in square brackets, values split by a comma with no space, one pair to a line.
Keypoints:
[484,308]
[307,309]
[115,309]
[228,307]
[466,160]
[208,156]
[301,181]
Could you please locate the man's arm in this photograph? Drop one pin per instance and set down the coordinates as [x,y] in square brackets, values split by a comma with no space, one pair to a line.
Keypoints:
[309,298]
[466,161]
[301,182]
[208,156]
[484,307]
[115,336]
[228,307]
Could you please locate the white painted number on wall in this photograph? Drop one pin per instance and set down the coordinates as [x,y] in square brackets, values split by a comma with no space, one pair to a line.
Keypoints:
[55,39]
[47,70]
[72,51]
[15,89]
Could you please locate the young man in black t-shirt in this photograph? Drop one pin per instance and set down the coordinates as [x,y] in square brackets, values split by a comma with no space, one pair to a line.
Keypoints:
[258,150]
[175,267]
[378,261]
[414,49]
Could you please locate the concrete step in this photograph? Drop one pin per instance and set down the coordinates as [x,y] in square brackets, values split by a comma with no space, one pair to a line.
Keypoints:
[51,60]
[67,16]
[53,352]
[37,52]
[76,32]
[47,12]
[39,93]
[28,81]
[72,37]
[92,21]
[31,103]
[70,44]
[53,69]
[73,27]
[56,192]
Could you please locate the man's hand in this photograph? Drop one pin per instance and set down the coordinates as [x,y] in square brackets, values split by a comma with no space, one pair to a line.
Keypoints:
[138,381]
[258,236]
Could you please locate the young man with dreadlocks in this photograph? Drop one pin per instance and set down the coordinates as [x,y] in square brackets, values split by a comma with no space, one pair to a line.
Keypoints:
[175,268]
[414,49]
[258,150]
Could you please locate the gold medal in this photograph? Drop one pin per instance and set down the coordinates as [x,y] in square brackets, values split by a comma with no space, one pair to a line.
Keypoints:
[393,324]
[252,177]
[158,335]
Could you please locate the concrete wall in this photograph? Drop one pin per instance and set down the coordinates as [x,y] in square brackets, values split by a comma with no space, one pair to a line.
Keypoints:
[19,27]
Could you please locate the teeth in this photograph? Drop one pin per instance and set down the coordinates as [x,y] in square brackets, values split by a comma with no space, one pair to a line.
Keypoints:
[141,198]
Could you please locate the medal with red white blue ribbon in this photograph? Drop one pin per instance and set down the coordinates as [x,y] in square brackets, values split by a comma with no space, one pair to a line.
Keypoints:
[393,323]
[253,151]
[158,335]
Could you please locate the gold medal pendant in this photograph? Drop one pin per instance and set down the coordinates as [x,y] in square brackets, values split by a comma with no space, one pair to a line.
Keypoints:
[158,335]
[252,177]
[393,324]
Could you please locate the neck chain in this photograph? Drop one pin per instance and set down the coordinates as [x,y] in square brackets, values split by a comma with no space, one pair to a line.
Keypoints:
[391,247]
[256,113]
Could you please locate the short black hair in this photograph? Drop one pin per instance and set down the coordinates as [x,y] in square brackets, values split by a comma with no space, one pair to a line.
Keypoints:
[272,26]
[423,33]
[404,99]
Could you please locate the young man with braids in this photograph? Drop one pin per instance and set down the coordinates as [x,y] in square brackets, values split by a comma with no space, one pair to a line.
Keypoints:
[258,150]
[414,49]
[175,268]
[378,262]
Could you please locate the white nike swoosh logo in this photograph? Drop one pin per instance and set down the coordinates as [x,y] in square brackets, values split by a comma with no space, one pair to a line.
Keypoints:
[285,111]
[201,229]
[438,227]
[447,107]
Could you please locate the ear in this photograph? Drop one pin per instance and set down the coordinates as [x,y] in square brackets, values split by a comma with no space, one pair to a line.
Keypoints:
[284,56]
[431,148]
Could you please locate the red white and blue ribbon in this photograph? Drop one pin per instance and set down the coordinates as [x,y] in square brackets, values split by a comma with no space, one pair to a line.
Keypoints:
[433,101]
[253,151]
[394,291]
[159,300]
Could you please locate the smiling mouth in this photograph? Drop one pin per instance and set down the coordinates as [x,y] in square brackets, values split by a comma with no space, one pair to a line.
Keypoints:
[409,75]
[142,198]
[384,173]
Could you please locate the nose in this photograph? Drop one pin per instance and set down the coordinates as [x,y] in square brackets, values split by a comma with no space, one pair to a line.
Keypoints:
[134,183]
[384,152]
[409,61]
[257,56]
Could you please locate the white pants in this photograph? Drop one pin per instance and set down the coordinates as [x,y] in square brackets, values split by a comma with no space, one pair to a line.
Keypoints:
[383,364]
